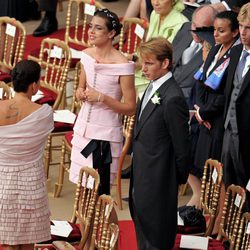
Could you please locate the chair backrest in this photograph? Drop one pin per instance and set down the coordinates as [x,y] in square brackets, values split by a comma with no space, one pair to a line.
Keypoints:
[210,191]
[5,92]
[243,235]
[127,130]
[112,236]
[85,201]
[132,33]
[99,238]
[79,14]
[12,42]
[55,58]
[232,211]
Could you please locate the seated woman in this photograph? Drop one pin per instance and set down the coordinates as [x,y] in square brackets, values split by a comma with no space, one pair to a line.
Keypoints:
[165,21]
[24,127]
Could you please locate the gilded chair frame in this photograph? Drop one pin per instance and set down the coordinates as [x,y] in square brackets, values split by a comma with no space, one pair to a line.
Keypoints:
[127,130]
[127,32]
[11,46]
[243,236]
[210,191]
[231,215]
[84,205]
[81,18]
[100,239]
[5,92]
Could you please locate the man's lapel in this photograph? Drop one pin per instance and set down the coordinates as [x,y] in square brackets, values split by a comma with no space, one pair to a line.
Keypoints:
[150,107]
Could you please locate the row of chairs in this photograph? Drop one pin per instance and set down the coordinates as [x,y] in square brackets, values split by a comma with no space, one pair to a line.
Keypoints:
[94,215]
[233,226]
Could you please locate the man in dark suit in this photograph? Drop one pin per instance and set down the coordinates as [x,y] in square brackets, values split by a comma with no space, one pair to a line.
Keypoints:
[235,150]
[185,68]
[160,150]
[49,23]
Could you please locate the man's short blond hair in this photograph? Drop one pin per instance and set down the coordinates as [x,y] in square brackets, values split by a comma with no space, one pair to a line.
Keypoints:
[158,46]
[244,14]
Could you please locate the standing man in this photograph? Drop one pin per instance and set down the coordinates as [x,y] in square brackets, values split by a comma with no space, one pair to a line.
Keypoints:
[235,150]
[160,150]
[49,23]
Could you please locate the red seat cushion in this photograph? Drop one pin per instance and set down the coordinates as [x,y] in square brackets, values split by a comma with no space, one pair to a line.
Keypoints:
[49,97]
[61,127]
[68,137]
[5,77]
[190,229]
[212,244]
[74,236]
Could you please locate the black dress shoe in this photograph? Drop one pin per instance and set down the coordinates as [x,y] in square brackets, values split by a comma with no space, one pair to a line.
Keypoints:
[126,173]
[47,26]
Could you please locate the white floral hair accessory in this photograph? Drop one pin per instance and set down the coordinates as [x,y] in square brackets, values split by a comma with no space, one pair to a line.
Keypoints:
[156,99]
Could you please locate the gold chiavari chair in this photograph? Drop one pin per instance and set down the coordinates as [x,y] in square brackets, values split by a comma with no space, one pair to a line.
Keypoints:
[12,44]
[133,32]
[83,209]
[209,200]
[243,234]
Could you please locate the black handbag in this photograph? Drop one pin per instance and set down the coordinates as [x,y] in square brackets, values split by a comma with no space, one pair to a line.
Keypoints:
[192,216]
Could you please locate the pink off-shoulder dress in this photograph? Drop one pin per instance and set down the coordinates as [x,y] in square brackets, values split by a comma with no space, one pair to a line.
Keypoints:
[24,210]
[96,120]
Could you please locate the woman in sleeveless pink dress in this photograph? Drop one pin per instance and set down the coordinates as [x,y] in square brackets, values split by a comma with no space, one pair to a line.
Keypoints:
[24,127]
[106,78]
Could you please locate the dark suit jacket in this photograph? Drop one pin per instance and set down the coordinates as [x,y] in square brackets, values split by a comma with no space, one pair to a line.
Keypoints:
[48,5]
[184,74]
[211,103]
[242,107]
[160,163]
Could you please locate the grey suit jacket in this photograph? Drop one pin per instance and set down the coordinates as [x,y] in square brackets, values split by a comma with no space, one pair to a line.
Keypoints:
[184,74]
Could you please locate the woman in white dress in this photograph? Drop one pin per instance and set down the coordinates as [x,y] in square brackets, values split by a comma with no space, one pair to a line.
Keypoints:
[24,127]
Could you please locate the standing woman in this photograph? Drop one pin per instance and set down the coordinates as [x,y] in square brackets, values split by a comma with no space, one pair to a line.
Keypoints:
[210,98]
[24,128]
[106,78]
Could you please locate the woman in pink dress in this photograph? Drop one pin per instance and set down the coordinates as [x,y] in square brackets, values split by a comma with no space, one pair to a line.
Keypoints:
[24,127]
[106,78]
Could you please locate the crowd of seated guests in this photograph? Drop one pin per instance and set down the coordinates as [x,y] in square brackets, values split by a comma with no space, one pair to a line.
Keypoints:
[215,85]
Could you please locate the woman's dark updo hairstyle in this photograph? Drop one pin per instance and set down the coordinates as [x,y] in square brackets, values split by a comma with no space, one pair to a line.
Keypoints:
[25,73]
[112,20]
[231,16]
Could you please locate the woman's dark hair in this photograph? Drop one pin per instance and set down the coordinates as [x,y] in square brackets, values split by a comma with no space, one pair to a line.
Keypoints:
[112,20]
[25,73]
[231,16]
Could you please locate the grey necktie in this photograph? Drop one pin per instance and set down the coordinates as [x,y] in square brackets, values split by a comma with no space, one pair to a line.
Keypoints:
[189,52]
[146,97]
[241,65]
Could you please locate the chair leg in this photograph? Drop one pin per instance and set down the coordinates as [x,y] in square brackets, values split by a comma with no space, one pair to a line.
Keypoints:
[59,184]
[118,180]
[183,189]
[47,156]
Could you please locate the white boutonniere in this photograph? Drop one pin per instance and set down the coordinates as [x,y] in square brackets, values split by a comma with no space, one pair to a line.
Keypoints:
[156,99]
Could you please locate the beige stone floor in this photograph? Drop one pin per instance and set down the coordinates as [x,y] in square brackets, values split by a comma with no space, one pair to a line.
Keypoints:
[61,208]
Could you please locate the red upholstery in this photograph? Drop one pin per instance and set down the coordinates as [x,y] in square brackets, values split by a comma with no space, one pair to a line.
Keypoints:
[212,244]
[68,137]
[74,236]
[60,35]
[61,127]
[49,97]
[190,229]
[5,77]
